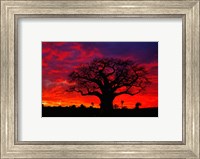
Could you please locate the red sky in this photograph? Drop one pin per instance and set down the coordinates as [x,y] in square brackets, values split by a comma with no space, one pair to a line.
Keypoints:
[61,58]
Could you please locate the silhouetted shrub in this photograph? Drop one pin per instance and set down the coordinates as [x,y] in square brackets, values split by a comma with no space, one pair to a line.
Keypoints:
[137,105]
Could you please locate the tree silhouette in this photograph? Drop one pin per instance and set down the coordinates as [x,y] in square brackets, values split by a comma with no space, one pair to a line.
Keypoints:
[137,105]
[122,102]
[108,78]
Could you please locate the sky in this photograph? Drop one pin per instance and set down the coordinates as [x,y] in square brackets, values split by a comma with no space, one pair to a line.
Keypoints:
[59,59]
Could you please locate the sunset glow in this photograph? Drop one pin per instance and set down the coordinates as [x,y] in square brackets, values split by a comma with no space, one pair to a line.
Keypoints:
[61,58]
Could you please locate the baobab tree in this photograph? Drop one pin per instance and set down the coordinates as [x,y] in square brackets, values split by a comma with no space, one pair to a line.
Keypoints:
[108,78]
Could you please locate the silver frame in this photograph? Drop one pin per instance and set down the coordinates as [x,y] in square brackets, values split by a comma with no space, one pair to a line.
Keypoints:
[12,10]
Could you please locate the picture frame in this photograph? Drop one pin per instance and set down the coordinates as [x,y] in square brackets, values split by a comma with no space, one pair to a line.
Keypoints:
[12,10]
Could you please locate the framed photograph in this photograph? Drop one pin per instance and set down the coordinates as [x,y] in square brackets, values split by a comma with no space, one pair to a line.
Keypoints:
[100,79]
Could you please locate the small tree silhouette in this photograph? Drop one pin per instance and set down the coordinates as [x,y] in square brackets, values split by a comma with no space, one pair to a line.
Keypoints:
[108,78]
[82,106]
[73,107]
[122,103]
[137,105]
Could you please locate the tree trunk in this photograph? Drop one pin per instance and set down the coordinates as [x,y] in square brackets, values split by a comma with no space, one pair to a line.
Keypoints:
[106,104]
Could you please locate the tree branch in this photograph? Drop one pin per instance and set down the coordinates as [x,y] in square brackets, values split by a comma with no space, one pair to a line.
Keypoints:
[95,93]
[127,92]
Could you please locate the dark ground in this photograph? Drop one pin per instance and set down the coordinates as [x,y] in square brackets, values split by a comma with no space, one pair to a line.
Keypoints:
[94,112]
